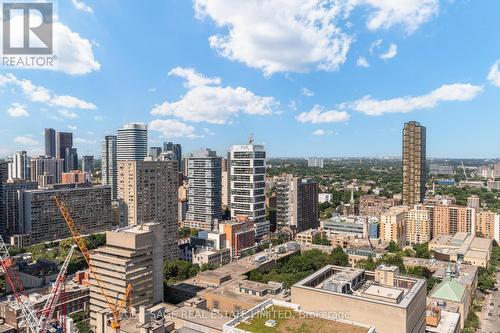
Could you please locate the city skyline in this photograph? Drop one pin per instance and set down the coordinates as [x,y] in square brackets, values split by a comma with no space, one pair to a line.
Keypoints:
[348,98]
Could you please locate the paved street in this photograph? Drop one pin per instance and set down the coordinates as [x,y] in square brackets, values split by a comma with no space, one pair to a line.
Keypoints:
[491,324]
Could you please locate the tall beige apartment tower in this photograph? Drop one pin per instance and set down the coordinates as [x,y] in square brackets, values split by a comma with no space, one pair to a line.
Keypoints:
[414,170]
[148,192]
[131,256]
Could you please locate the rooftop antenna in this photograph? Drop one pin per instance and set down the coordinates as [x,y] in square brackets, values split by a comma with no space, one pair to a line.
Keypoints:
[250,139]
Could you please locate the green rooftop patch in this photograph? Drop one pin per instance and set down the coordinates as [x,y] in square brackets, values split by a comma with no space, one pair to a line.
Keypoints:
[287,320]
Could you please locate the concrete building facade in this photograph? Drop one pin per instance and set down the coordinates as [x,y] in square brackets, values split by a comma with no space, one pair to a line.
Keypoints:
[176,150]
[392,225]
[131,256]
[390,302]
[417,225]
[148,192]
[372,205]
[247,175]
[18,168]
[76,177]
[109,166]
[90,207]
[297,203]
[450,219]
[488,225]
[204,187]
[11,215]
[88,163]
[47,167]
[239,233]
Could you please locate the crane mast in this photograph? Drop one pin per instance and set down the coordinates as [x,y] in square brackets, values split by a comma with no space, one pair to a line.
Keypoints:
[36,323]
[50,304]
[116,307]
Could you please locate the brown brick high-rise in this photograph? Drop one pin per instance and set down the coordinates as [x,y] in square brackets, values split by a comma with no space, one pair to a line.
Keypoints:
[414,170]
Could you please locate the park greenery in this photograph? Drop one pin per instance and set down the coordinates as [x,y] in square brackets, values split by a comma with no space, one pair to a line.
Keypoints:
[57,251]
[186,232]
[486,276]
[333,178]
[179,270]
[300,266]
[416,251]
[472,321]
[489,199]
[323,240]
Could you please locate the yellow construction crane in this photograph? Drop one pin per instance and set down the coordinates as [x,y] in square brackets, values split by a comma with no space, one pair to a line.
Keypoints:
[116,308]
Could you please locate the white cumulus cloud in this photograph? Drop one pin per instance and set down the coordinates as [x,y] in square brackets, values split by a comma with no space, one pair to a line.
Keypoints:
[82,6]
[447,92]
[306,92]
[43,95]
[302,35]
[410,14]
[318,115]
[390,53]
[322,132]
[193,78]
[173,129]
[74,54]
[362,62]
[494,74]
[279,35]
[67,114]
[17,110]
[213,103]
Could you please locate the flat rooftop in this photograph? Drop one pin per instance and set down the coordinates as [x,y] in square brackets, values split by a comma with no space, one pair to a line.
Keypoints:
[197,316]
[482,244]
[287,320]
[381,291]
[232,290]
[257,286]
[477,254]
[448,323]
[368,289]
[236,269]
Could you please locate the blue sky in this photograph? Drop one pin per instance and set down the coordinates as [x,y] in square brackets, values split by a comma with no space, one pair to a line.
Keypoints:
[306,77]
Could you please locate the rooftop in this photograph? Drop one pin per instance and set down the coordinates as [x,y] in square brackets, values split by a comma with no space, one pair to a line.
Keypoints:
[449,290]
[364,286]
[238,268]
[381,291]
[199,316]
[275,316]
[477,254]
[479,243]
[447,324]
